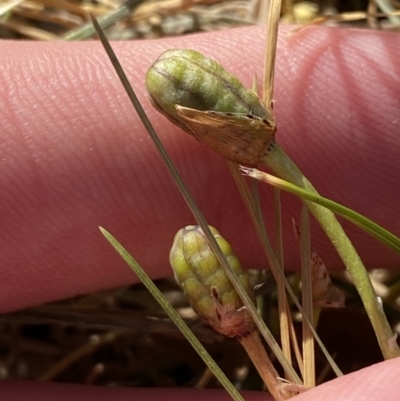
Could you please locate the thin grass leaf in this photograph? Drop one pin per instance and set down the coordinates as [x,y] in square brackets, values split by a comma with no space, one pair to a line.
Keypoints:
[285,321]
[146,280]
[285,318]
[377,231]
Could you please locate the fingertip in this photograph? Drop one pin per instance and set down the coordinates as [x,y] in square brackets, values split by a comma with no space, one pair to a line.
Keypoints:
[377,382]
[77,155]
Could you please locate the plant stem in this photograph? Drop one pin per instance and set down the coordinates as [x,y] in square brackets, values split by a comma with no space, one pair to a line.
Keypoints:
[256,351]
[281,164]
[307,300]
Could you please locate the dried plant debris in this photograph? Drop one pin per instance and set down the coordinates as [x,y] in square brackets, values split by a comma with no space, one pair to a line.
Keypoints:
[325,295]
[53,20]
[107,338]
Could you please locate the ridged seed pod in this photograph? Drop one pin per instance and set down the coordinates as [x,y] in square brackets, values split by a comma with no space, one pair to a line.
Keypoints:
[200,96]
[209,290]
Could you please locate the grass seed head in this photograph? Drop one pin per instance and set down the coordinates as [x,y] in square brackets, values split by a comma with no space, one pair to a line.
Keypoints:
[209,290]
[201,97]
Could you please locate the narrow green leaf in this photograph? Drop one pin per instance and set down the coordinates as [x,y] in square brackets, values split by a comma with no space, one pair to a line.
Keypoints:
[174,316]
[377,231]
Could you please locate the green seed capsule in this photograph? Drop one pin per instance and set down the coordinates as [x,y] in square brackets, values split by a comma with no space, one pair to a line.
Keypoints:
[200,96]
[209,290]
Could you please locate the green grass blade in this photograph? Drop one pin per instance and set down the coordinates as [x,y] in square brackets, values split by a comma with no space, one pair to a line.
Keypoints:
[174,316]
[377,231]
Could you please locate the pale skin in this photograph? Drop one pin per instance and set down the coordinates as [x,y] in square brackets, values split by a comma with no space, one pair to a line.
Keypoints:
[75,156]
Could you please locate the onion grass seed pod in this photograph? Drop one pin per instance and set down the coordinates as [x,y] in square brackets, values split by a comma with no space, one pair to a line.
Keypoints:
[205,283]
[201,97]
